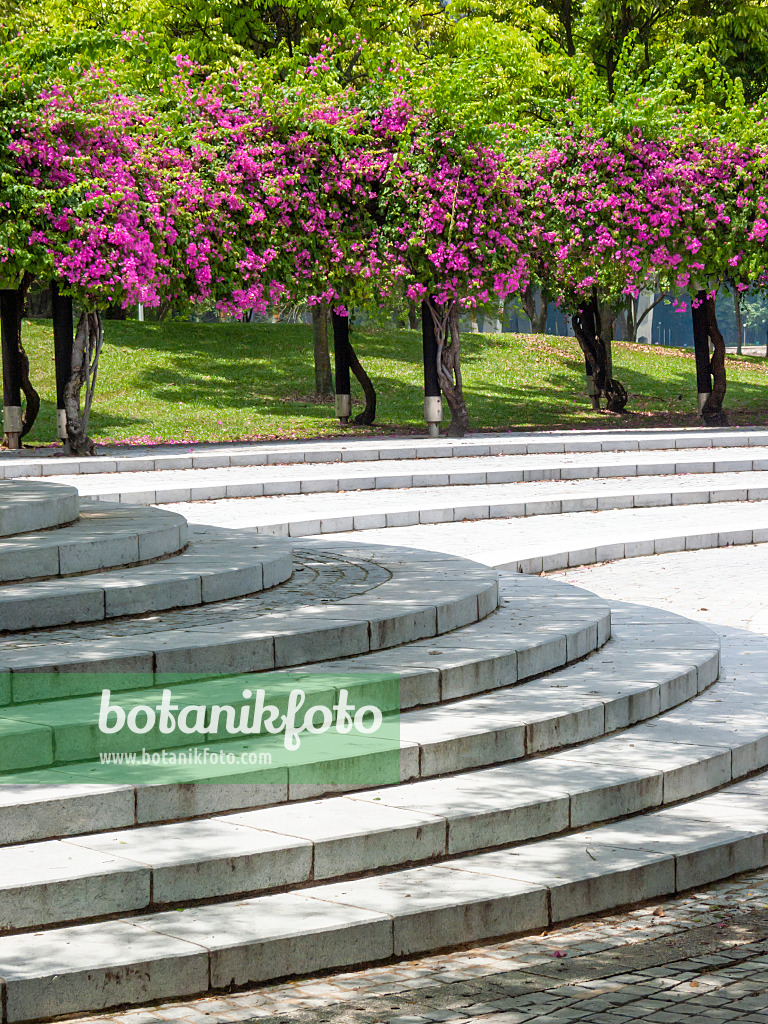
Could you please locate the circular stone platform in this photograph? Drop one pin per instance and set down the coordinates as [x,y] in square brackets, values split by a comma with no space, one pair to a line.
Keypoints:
[27,505]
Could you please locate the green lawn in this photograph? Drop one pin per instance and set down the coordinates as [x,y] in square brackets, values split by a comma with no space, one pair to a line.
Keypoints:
[210,382]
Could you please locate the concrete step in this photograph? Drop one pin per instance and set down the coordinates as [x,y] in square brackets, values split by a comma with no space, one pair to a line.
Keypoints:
[134,458]
[217,565]
[160,486]
[421,596]
[590,699]
[105,536]
[335,837]
[302,515]
[547,543]
[28,505]
[469,898]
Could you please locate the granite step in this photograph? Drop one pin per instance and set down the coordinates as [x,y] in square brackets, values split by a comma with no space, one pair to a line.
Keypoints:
[469,898]
[28,505]
[422,596]
[217,565]
[338,836]
[122,458]
[162,486]
[591,698]
[105,536]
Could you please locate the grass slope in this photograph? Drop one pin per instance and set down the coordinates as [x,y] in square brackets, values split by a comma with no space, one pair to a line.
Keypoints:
[210,382]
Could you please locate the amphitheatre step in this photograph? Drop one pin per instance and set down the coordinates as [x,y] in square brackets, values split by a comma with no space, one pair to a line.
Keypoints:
[28,505]
[163,486]
[269,848]
[546,543]
[601,695]
[422,595]
[298,516]
[218,564]
[125,458]
[540,626]
[105,536]
[469,898]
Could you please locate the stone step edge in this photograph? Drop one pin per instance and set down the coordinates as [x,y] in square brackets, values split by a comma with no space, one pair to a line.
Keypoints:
[419,447]
[427,595]
[157,803]
[421,836]
[575,637]
[86,547]
[217,489]
[205,572]
[29,505]
[48,744]
[479,898]
[453,511]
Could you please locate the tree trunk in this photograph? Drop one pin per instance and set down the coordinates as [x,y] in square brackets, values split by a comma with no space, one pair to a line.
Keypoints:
[737,311]
[448,338]
[86,349]
[368,415]
[537,314]
[15,299]
[591,332]
[323,376]
[413,315]
[712,413]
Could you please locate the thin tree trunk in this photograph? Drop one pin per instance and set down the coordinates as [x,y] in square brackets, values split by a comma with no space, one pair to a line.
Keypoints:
[86,349]
[322,355]
[737,311]
[31,397]
[712,412]
[448,338]
[413,315]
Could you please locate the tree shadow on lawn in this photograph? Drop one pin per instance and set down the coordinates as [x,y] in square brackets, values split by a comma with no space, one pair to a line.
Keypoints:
[44,429]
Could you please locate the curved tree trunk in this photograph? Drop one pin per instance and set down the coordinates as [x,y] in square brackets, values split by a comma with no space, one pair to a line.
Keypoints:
[31,397]
[448,338]
[86,349]
[712,413]
[368,415]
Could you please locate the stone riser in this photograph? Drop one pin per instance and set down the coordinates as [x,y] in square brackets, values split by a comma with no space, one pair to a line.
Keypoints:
[200,860]
[220,565]
[425,597]
[26,507]
[472,899]
[187,485]
[106,536]
[353,450]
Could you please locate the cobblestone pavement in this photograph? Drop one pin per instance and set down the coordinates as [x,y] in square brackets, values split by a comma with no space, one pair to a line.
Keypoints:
[700,957]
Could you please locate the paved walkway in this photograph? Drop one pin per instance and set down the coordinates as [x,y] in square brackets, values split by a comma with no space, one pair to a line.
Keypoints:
[700,957]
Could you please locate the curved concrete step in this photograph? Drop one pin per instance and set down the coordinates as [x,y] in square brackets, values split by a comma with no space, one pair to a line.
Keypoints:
[162,486]
[545,543]
[105,536]
[217,565]
[121,458]
[27,506]
[589,699]
[334,837]
[423,595]
[298,516]
[395,914]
